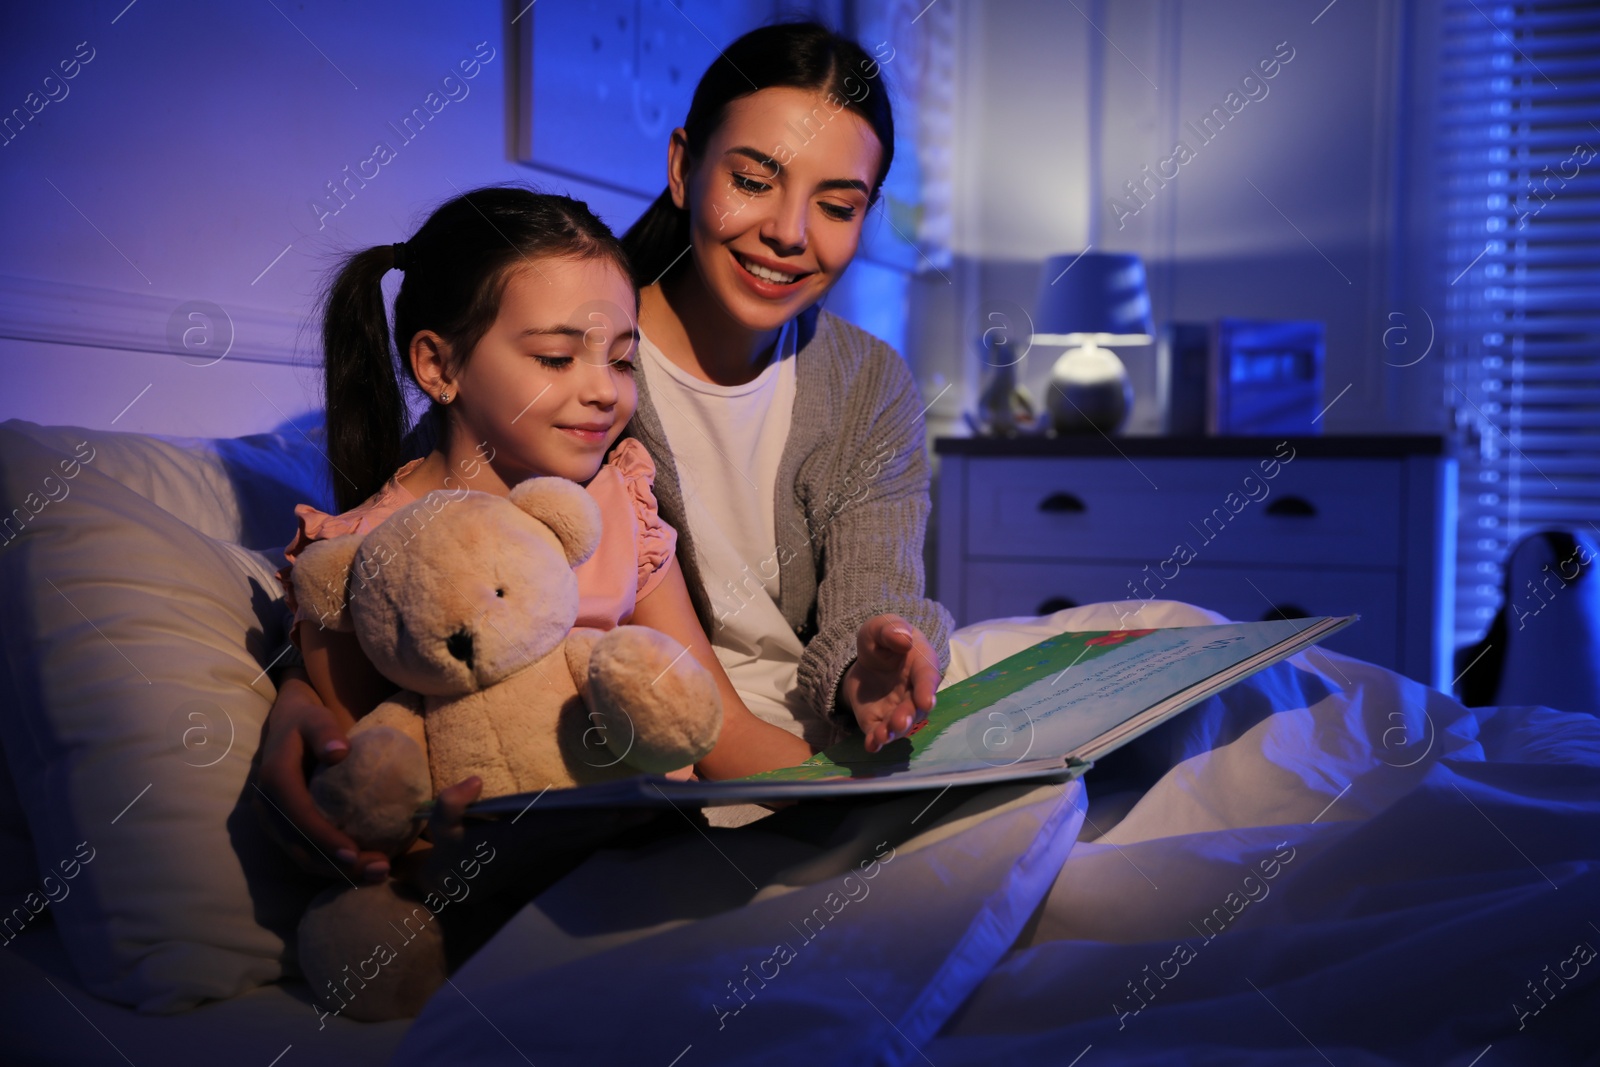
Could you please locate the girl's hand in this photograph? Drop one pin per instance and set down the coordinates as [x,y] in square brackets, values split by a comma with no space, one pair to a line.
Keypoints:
[435,869]
[891,685]
[302,730]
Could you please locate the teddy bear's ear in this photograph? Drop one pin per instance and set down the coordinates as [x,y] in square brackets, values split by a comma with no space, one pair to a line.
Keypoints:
[567,508]
[321,577]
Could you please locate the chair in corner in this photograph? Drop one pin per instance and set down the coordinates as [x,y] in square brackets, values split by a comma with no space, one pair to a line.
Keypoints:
[1543,646]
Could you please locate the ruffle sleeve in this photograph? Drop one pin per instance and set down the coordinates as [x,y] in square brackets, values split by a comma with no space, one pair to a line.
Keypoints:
[313,525]
[309,526]
[657,539]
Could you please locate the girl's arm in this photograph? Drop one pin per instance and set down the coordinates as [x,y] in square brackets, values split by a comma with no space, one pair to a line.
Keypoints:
[746,745]
[345,679]
[314,710]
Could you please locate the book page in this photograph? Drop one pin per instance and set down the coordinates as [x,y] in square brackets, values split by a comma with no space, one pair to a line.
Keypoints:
[1041,714]
[1052,699]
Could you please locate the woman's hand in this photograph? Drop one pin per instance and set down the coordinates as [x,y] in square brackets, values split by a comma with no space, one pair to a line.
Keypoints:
[891,684]
[302,730]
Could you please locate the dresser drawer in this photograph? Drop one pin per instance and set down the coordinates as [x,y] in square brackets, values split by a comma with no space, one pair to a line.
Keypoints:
[1329,511]
[995,589]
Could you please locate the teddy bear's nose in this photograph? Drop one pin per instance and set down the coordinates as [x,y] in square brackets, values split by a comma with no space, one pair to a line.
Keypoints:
[459,645]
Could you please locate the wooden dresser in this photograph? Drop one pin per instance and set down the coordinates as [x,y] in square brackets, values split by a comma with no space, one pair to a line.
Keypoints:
[1252,527]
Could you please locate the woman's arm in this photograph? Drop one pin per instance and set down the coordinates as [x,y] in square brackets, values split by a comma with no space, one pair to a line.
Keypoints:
[870,522]
[746,745]
[314,710]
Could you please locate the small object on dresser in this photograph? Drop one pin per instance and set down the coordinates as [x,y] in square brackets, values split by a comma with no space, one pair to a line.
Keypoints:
[1089,390]
[1087,301]
[1267,377]
[1005,408]
[1183,378]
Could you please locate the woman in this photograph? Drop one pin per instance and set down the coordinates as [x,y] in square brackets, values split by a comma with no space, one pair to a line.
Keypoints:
[789,445]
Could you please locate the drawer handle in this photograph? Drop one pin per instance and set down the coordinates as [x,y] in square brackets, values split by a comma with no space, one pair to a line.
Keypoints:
[1060,503]
[1055,604]
[1292,506]
[1279,612]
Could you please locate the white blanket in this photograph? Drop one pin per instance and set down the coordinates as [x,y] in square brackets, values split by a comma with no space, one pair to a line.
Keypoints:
[1331,863]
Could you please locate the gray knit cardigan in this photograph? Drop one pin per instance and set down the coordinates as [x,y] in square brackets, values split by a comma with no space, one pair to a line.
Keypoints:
[851,508]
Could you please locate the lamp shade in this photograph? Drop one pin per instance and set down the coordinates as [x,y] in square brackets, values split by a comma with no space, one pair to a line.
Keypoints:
[1093,297]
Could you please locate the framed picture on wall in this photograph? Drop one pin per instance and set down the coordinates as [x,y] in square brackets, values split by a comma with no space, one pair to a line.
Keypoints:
[600,84]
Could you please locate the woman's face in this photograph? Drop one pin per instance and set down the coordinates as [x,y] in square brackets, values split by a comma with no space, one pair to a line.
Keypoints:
[550,386]
[777,203]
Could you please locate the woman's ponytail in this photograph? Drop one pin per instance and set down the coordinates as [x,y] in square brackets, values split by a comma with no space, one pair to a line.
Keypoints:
[657,239]
[790,55]
[366,412]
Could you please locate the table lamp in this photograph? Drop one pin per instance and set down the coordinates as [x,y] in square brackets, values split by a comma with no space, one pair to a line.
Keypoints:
[1086,301]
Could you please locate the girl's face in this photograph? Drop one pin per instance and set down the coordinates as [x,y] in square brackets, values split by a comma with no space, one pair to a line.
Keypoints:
[550,386]
[777,203]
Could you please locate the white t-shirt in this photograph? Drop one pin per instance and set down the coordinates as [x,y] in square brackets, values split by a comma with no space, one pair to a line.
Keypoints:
[726,441]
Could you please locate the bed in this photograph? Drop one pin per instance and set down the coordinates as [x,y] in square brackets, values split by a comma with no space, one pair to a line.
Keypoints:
[1328,863]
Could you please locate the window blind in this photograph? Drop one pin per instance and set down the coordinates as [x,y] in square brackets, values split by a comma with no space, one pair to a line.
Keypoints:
[1517,146]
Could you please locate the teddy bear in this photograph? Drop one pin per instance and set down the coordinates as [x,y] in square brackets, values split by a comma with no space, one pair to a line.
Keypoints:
[467,602]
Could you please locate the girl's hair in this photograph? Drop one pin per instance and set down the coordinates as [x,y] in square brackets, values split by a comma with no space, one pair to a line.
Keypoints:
[456,268]
[792,55]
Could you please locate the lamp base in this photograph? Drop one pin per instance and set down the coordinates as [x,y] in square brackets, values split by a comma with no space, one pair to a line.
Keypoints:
[1089,391]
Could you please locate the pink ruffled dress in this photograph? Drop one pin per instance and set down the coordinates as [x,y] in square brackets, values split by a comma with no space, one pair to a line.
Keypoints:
[636,544]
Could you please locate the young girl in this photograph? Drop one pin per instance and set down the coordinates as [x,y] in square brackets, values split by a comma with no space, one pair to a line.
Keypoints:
[516,319]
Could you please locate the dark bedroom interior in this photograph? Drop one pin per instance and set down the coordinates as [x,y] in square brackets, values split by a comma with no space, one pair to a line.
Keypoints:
[1138,344]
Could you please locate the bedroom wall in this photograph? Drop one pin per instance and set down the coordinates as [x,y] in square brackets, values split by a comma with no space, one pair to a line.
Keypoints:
[1288,212]
[182,189]
[1022,187]
[181,165]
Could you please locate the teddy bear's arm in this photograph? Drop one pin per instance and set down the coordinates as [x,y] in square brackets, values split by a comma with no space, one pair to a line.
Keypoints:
[580,646]
[402,712]
[321,577]
[374,792]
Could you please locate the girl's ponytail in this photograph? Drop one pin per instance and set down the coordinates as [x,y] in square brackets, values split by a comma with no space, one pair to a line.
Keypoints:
[366,412]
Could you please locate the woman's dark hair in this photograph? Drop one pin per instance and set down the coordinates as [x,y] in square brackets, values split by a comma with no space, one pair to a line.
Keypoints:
[790,55]
[456,268]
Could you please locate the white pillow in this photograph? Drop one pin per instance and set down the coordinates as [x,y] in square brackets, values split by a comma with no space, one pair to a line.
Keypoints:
[239,489]
[131,668]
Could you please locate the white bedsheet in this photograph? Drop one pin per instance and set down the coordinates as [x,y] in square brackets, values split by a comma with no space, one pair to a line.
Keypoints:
[1325,864]
[1425,905]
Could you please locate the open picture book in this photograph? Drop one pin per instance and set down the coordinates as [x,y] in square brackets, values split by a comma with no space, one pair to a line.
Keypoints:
[1045,713]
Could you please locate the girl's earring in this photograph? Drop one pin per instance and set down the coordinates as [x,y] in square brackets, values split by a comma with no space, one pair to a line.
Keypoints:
[444,397]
